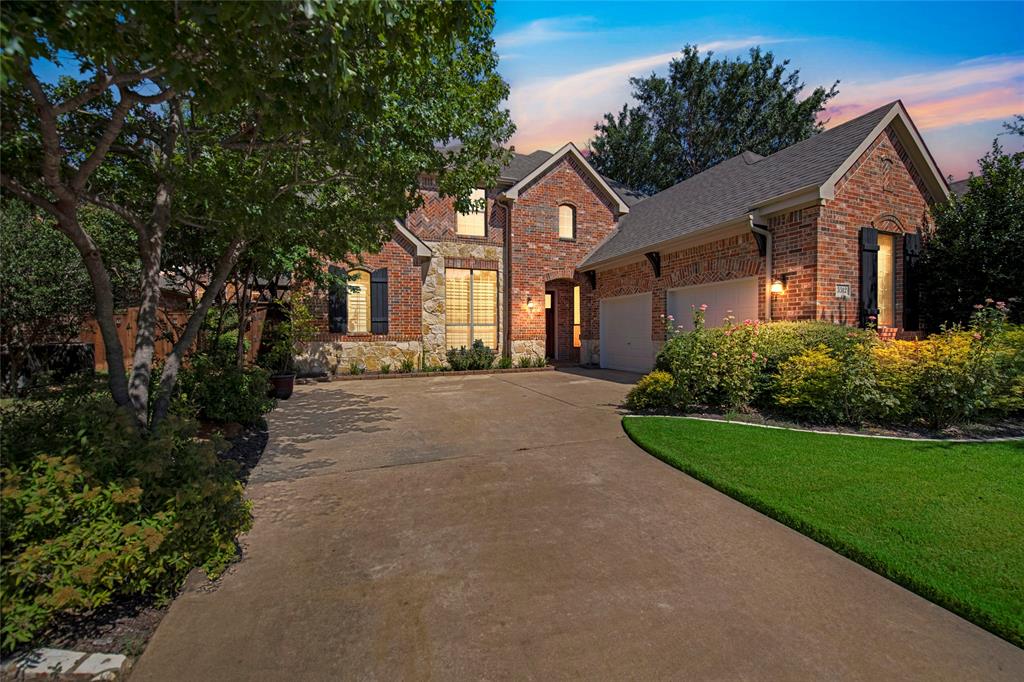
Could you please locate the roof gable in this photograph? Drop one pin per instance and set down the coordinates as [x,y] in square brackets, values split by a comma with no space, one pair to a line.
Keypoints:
[729,192]
[568,150]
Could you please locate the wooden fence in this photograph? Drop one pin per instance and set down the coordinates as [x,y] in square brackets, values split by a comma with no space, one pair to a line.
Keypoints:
[170,323]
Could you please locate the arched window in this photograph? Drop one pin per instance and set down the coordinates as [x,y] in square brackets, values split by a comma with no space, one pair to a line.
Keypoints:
[359,302]
[566,222]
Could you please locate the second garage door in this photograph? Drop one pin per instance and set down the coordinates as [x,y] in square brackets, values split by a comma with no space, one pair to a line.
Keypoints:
[626,333]
[736,295]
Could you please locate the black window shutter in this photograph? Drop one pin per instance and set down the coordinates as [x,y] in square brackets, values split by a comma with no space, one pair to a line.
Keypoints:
[379,301]
[337,302]
[911,281]
[868,275]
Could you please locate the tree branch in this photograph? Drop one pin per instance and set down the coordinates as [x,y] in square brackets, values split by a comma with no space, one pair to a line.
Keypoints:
[115,208]
[102,83]
[50,137]
[15,188]
[110,134]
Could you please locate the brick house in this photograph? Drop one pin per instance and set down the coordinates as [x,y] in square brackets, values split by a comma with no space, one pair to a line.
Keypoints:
[567,264]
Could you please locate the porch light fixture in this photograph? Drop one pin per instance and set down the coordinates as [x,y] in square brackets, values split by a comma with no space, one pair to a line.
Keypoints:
[779,285]
[529,303]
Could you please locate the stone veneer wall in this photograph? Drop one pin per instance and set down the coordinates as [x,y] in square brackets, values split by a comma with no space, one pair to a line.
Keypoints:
[335,357]
[458,254]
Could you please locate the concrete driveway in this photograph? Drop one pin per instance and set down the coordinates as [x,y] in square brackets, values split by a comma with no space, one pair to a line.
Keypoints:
[503,527]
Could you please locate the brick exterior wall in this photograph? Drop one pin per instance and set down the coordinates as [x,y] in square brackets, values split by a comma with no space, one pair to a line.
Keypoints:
[882,190]
[794,254]
[539,257]
[404,277]
[723,259]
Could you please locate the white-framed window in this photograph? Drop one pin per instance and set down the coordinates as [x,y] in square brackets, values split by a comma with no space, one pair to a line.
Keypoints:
[471,307]
[359,302]
[576,316]
[566,222]
[474,223]
[886,280]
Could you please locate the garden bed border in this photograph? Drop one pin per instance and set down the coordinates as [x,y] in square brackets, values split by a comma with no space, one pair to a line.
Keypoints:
[443,373]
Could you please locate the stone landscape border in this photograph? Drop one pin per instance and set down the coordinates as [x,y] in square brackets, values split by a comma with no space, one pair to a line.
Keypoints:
[443,373]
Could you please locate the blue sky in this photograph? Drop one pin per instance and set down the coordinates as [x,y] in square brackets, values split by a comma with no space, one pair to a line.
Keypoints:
[959,67]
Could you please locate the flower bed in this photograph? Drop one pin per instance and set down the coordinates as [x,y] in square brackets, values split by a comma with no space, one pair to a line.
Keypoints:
[828,374]
[438,373]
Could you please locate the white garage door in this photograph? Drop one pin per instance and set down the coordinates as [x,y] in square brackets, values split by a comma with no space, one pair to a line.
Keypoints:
[626,333]
[736,295]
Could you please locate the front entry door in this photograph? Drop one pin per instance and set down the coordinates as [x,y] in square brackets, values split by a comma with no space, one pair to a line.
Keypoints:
[549,324]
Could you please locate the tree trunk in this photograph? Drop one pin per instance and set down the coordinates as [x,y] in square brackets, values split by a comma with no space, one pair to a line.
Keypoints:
[172,365]
[103,294]
[243,311]
[145,334]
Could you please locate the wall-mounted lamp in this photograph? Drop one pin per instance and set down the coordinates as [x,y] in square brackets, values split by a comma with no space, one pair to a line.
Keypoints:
[779,285]
[529,303]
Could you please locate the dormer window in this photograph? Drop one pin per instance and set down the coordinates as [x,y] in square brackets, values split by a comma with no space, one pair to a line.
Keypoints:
[473,223]
[566,222]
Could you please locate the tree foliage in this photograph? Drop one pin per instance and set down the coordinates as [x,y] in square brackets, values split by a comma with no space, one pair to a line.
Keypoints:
[977,248]
[703,112]
[217,130]
[44,292]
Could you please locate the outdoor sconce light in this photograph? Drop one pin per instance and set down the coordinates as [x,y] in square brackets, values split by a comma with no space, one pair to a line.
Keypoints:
[779,285]
[529,303]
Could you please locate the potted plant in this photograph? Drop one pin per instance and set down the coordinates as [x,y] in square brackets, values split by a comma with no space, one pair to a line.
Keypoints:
[296,329]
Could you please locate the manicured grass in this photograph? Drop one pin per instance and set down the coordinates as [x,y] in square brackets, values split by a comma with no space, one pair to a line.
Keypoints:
[945,520]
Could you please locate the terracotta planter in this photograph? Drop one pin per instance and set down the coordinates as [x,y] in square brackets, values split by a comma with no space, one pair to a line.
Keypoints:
[283,385]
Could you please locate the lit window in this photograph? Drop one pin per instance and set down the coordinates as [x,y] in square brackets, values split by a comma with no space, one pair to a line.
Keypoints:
[566,222]
[359,302]
[473,223]
[886,280]
[547,301]
[471,307]
[576,317]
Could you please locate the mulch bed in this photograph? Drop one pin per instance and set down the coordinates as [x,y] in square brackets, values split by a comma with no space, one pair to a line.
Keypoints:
[125,625]
[1002,428]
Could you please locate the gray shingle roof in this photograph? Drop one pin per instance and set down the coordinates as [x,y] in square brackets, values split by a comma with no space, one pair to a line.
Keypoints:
[959,187]
[521,165]
[630,196]
[731,189]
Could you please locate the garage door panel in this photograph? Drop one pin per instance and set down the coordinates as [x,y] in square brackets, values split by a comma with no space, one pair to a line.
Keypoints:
[736,297]
[626,333]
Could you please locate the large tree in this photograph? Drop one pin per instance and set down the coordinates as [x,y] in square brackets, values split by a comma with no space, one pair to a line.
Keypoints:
[703,112]
[239,124]
[977,248]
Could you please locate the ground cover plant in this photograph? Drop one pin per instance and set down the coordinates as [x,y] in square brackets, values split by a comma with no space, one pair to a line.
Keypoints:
[940,518]
[94,511]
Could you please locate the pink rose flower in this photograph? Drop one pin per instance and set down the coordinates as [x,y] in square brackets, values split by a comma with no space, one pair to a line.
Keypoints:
[703,307]
[753,356]
[978,306]
[977,336]
[714,354]
[989,300]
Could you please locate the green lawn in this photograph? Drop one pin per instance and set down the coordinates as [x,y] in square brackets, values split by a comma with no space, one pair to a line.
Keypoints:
[945,520]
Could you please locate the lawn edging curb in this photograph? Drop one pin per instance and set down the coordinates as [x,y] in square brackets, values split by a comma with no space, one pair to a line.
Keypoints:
[922,439]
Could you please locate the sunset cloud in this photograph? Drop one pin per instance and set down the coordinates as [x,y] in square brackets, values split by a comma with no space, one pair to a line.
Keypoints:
[544,31]
[553,111]
[980,90]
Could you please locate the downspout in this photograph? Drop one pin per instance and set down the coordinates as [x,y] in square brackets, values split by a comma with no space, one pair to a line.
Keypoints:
[506,265]
[757,229]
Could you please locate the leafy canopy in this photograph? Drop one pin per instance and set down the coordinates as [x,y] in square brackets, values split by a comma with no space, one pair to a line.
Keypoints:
[977,247]
[705,111]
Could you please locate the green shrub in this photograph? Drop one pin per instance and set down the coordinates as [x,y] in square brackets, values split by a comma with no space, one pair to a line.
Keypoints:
[716,367]
[407,366]
[92,510]
[897,373]
[526,361]
[385,368]
[223,392]
[956,377]
[505,362]
[779,341]
[1008,396]
[830,386]
[653,391]
[355,368]
[477,356]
